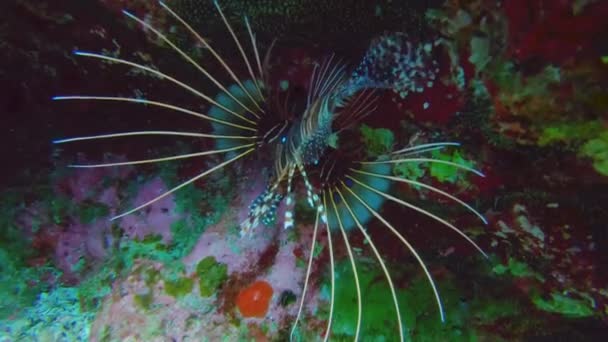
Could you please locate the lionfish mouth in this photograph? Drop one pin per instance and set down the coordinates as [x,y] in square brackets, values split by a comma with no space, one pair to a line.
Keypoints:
[344,187]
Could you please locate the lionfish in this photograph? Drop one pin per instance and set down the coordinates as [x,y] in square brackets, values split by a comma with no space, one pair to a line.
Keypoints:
[345,189]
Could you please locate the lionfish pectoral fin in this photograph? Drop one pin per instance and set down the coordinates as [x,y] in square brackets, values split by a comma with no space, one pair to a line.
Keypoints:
[190,181]
[222,61]
[241,50]
[373,199]
[227,100]
[355,109]
[378,257]
[162,76]
[405,242]
[333,277]
[307,276]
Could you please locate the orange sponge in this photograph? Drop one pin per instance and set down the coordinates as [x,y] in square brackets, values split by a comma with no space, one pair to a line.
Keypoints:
[254,300]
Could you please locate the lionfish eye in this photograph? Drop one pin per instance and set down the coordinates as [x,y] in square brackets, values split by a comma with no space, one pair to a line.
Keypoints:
[283,139]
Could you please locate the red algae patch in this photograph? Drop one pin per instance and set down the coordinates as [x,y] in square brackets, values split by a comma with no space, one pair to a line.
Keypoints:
[254,300]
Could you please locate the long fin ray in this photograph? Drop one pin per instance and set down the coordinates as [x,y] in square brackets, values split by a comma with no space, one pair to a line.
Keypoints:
[410,248]
[380,261]
[430,160]
[424,146]
[156,160]
[307,277]
[153,103]
[214,53]
[191,180]
[428,187]
[422,211]
[354,268]
[240,48]
[333,278]
[193,63]
[157,73]
[138,133]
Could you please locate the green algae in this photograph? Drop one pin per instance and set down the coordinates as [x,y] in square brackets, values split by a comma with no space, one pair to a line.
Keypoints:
[411,171]
[211,274]
[583,306]
[445,173]
[122,256]
[378,141]
[514,268]
[123,252]
[90,212]
[179,287]
[417,305]
[597,150]
[469,314]
[19,282]
[519,88]
[143,301]
[105,334]
[562,304]
[589,138]
[569,132]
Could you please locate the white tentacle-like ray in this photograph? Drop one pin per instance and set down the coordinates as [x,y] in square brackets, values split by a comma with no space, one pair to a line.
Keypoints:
[425,146]
[307,277]
[361,106]
[380,261]
[309,96]
[191,180]
[153,103]
[320,76]
[333,278]
[332,79]
[170,133]
[215,55]
[406,243]
[426,186]
[161,75]
[420,210]
[255,48]
[422,160]
[240,47]
[422,150]
[156,160]
[352,264]
[193,63]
